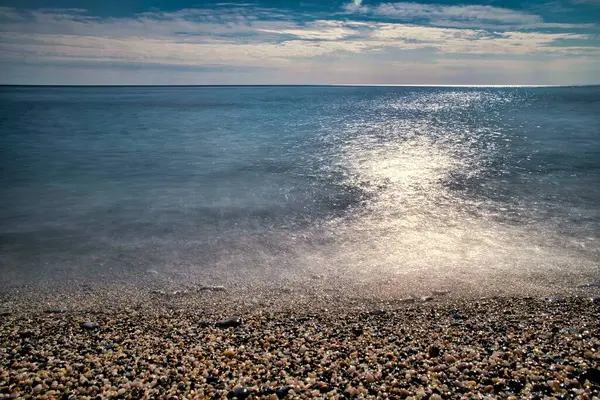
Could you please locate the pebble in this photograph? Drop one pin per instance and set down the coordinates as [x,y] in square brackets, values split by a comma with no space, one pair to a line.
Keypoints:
[590,285]
[212,289]
[433,351]
[283,391]
[163,354]
[229,353]
[450,358]
[231,322]
[90,325]
[55,310]
[240,393]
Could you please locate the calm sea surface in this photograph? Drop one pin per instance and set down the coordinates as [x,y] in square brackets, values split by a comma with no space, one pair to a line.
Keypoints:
[280,182]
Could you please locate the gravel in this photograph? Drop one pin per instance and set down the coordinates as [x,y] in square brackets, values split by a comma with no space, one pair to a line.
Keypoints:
[449,347]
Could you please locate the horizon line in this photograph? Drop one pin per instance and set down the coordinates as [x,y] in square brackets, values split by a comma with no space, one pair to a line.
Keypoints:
[304,85]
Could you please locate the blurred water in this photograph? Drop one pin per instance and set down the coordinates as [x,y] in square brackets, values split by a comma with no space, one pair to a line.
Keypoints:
[256,183]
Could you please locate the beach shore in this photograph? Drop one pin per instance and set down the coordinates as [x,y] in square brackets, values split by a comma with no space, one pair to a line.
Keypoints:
[133,343]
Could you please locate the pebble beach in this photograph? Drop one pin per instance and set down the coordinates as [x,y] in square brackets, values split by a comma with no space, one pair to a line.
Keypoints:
[213,343]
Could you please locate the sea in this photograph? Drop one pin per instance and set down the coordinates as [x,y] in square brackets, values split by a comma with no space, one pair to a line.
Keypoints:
[399,187]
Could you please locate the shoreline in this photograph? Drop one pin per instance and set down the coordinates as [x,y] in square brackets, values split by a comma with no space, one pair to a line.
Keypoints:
[291,346]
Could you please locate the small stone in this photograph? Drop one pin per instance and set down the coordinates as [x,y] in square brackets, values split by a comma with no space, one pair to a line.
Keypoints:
[589,285]
[589,354]
[434,351]
[592,375]
[435,397]
[240,392]
[55,311]
[212,289]
[450,358]
[457,315]
[407,300]
[426,298]
[573,384]
[554,385]
[229,353]
[369,377]
[231,322]
[283,391]
[90,325]
[38,389]
[403,393]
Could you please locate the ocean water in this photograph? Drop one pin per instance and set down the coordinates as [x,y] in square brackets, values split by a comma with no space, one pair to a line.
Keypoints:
[396,186]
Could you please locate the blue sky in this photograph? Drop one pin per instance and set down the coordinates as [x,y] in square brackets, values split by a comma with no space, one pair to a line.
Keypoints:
[308,42]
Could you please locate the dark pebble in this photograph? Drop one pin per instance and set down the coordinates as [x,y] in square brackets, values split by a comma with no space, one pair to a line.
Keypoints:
[55,311]
[212,289]
[231,322]
[592,375]
[434,351]
[267,390]
[239,393]
[283,391]
[90,325]
[590,285]
[542,388]
[515,385]
[357,330]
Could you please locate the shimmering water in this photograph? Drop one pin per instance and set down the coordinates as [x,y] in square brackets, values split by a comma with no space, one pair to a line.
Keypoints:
[404,184]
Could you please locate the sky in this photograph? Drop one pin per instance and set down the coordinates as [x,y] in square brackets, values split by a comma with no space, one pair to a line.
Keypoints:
[185,42]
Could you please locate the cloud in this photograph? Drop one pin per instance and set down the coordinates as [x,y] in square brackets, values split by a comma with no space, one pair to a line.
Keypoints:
[589,2]
[475,13]
[483,16]
[247,38]
[194,37]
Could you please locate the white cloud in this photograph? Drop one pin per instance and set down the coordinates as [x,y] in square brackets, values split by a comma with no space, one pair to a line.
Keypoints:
[481,16]
[196,38]
[465,13]
[589,2]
